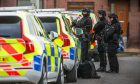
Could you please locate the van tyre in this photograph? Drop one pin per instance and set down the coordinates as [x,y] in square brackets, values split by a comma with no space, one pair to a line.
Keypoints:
[43,79]
[72,76]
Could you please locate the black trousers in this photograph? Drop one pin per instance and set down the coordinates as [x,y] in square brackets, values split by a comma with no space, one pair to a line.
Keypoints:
[84,51]
[102,54]
[112,57]
[103,62]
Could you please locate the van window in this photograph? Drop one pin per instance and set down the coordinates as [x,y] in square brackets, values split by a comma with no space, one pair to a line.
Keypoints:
[49,23]
[10,27]
[31,26]
[37,27]
[67,24]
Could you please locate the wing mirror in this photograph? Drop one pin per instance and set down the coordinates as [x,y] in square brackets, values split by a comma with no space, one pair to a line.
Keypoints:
[57,39]
[53,35]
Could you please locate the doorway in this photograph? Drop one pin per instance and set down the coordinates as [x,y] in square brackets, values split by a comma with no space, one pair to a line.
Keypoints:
[121,8]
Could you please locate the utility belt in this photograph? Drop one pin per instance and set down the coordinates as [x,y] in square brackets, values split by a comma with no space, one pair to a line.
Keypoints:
[85,37]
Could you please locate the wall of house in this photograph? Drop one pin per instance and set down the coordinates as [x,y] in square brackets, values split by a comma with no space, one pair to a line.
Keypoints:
[134,24]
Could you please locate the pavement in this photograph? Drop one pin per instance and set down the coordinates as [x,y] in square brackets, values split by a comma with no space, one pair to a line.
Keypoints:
[135,50]
[129,72]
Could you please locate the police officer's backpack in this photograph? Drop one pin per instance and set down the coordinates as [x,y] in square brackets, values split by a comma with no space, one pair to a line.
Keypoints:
[87,70]
[108,32]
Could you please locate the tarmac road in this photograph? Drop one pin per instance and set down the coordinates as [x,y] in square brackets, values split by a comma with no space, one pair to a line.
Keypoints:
[129,73]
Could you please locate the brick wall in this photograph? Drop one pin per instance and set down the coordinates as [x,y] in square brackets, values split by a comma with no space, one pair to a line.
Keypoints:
[48,3]
[134,30]
[99,4]
[6,3]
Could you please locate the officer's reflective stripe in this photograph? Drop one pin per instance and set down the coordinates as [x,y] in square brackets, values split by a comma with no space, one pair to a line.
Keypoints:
[93,44]
[91,47]
[49,63]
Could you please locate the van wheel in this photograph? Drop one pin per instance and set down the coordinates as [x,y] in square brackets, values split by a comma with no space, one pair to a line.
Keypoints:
[43,79]
[72,76]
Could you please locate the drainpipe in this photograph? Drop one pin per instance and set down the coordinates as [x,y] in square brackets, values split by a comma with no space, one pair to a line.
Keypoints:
[35,3]
[55,3]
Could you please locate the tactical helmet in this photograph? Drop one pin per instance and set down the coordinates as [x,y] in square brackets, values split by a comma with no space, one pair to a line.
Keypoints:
[102,12]
[113,15]
[86,10]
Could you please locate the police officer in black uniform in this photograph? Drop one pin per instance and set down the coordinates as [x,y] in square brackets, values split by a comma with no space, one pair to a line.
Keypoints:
[113,44]
[99,27]
[86,24]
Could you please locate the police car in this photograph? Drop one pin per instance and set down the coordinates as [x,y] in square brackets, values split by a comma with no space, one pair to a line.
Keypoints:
[26,53]
[55,21]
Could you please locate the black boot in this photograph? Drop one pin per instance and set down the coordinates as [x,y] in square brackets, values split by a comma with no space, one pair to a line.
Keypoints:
[112,71]
[101,69]
[96,77]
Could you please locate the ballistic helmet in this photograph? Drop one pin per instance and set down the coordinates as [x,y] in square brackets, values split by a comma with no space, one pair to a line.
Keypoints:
[85,12]
[102,12]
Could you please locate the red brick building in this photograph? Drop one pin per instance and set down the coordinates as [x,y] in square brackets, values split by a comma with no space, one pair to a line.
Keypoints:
[127,10]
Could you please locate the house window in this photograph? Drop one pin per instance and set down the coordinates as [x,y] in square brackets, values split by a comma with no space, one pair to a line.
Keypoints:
[24,3]
[80,5]
[29,3]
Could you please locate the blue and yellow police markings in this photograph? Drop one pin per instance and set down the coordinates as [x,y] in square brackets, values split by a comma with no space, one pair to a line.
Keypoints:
[54,54]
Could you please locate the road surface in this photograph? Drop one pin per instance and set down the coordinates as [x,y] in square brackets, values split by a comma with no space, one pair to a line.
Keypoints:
[129,73]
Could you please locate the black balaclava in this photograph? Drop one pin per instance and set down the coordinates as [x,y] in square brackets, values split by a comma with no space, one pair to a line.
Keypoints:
[87,11]
[115,18]
[103,14]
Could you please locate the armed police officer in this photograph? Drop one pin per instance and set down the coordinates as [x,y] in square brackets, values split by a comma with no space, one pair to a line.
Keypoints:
[113,43]
[86,24]
[99,28]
